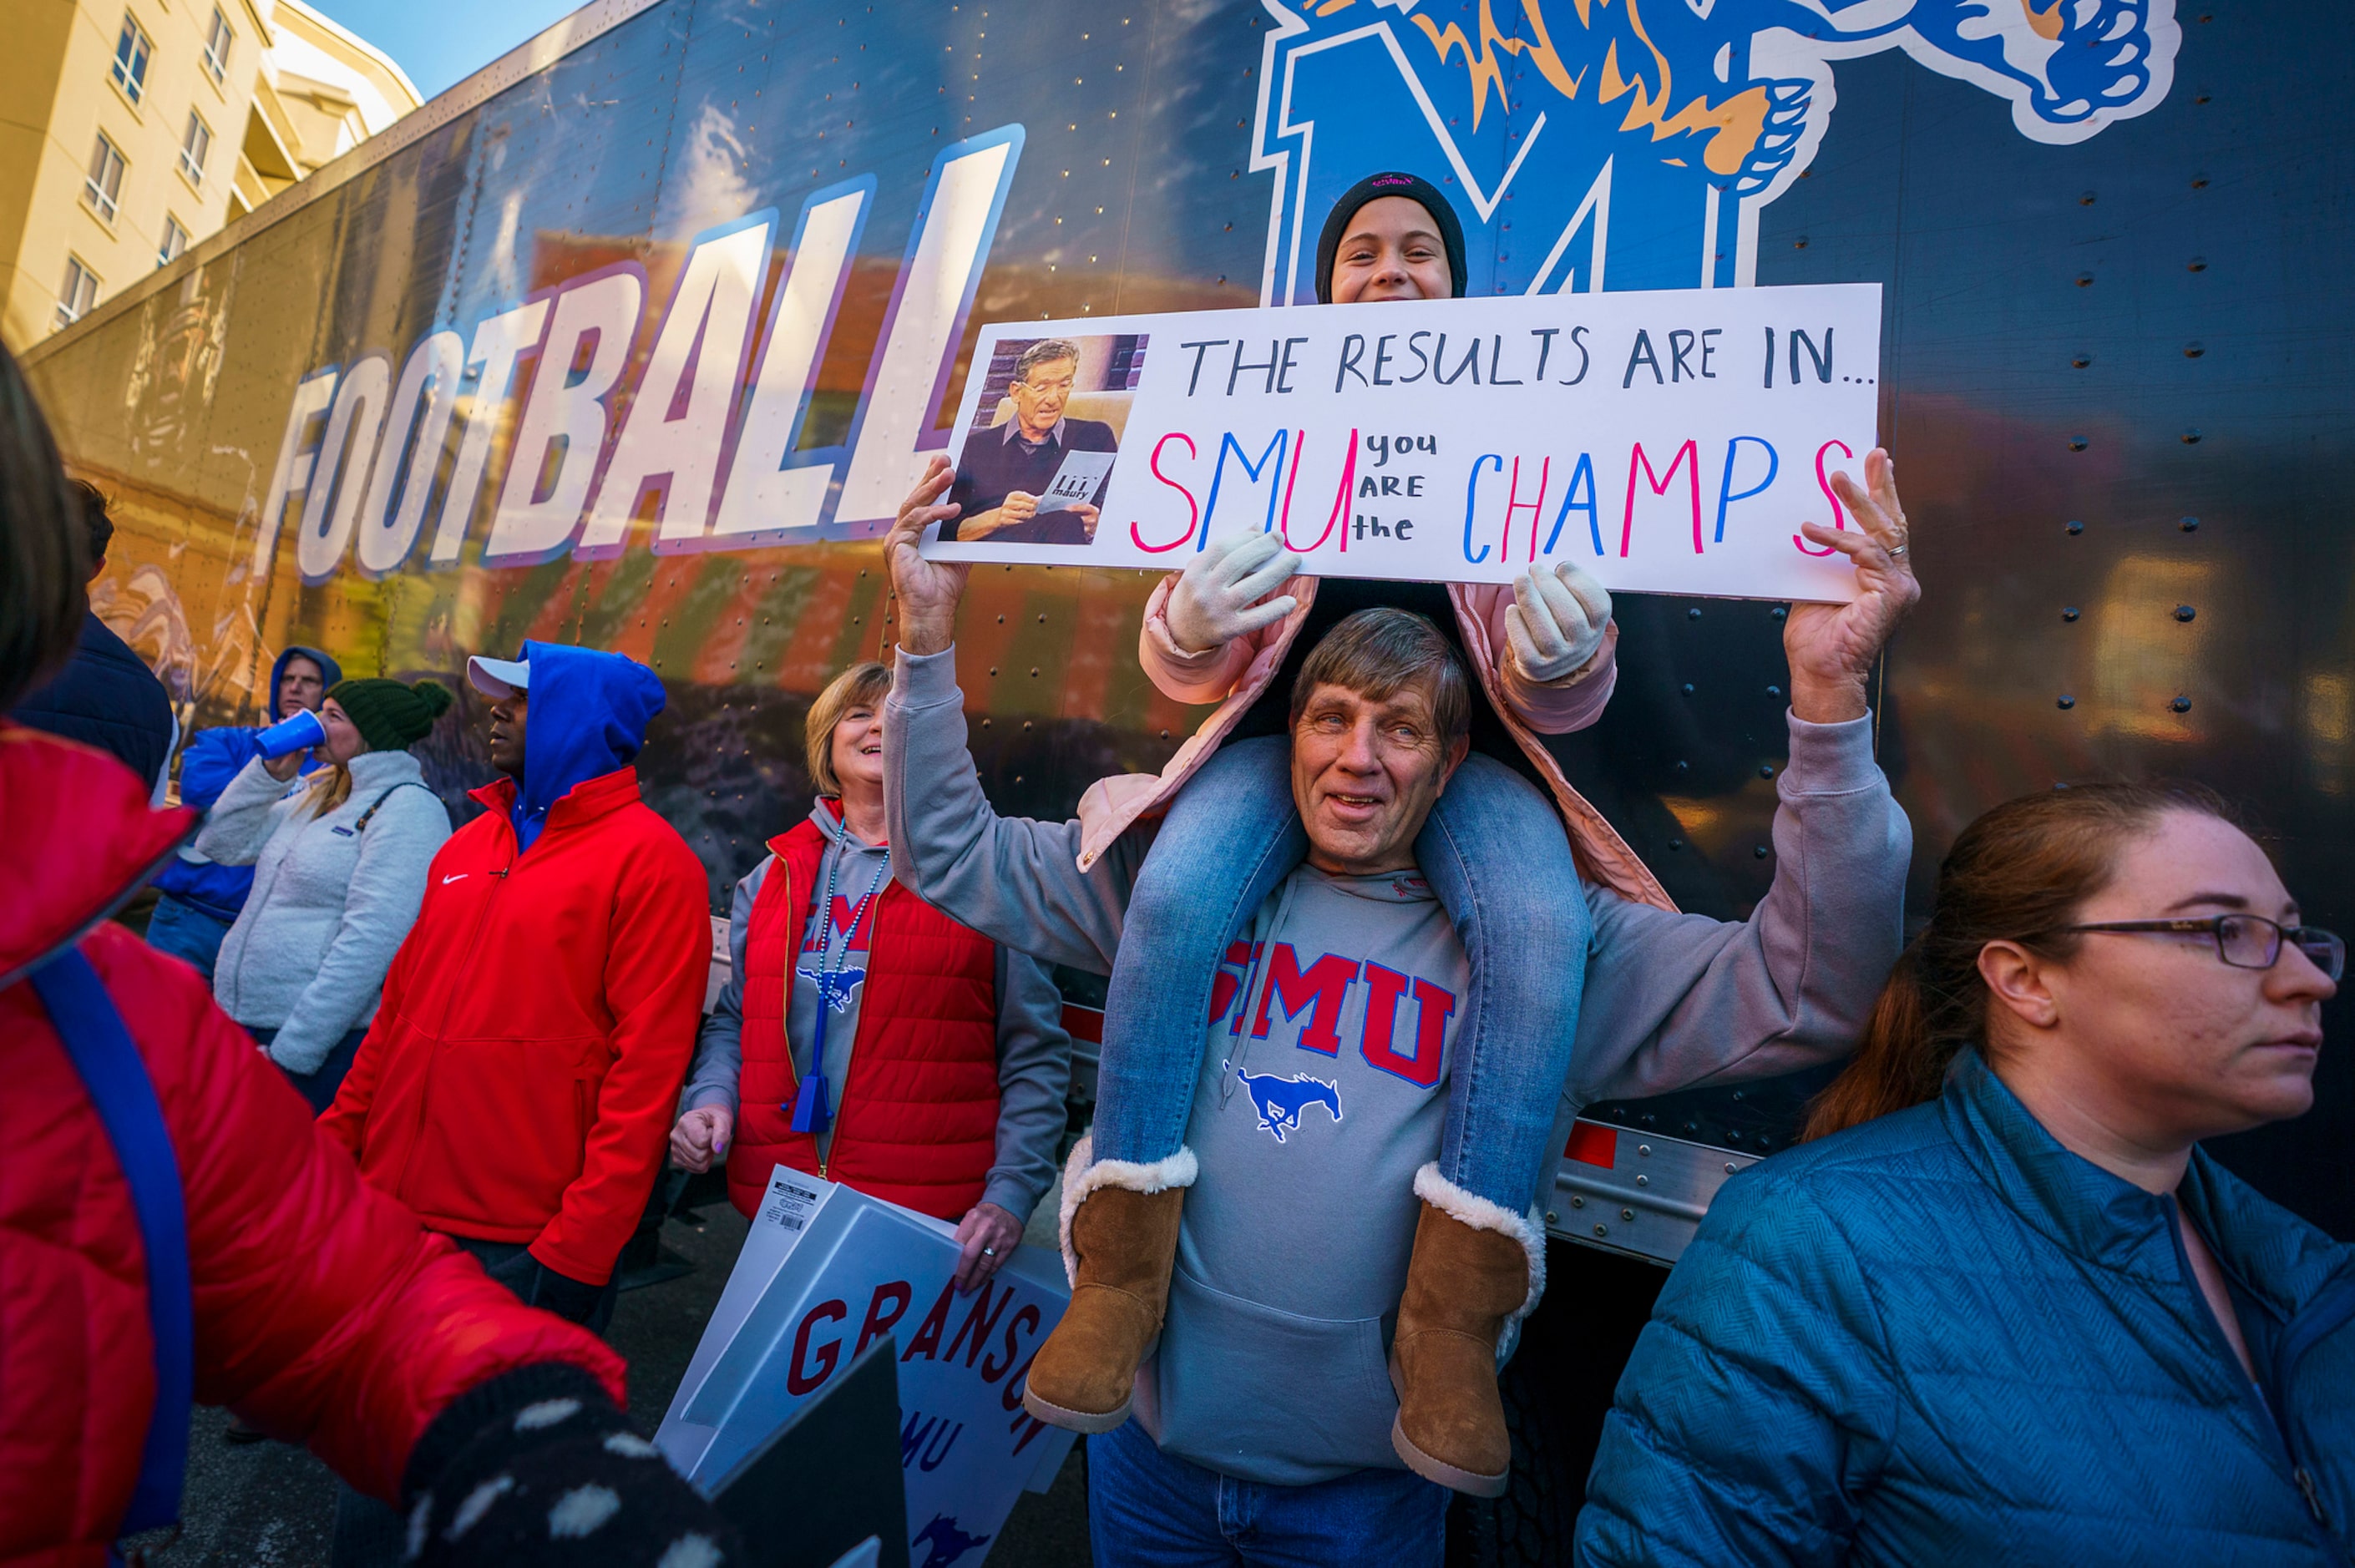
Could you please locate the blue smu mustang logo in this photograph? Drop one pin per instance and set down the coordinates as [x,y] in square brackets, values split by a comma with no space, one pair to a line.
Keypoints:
[1639,140]
[1280,1101]
[945,1542]
[837,989]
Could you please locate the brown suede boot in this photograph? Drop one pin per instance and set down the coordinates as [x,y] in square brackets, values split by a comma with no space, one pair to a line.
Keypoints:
[1119,1246]
[1463,1285]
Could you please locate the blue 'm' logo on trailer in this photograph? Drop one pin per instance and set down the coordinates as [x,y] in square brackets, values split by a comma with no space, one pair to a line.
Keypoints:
[1632,144]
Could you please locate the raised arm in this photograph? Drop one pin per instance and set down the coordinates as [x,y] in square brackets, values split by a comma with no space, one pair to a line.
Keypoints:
[1673,1001]
[1013,880]
[242,818]
[213,758]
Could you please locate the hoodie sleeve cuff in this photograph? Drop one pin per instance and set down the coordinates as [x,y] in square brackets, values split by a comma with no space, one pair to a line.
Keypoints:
[926,680]
[1831,759]
[1015,1196]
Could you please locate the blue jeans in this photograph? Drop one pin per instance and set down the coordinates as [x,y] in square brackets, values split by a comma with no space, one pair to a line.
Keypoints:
[187,933]
[1147,1510]
[1496,853]
[319,1085]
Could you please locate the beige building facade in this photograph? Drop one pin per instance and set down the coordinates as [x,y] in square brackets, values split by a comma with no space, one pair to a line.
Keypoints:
[132,129]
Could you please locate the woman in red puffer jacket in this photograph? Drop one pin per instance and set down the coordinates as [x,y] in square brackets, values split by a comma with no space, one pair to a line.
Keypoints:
[172,1225]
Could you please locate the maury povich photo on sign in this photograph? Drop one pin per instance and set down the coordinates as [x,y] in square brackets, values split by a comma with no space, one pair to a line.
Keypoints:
[1041,437]
[1671,442]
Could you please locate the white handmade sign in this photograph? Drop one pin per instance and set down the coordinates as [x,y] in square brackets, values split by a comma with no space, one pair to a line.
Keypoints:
[825,1272]
[1671,441]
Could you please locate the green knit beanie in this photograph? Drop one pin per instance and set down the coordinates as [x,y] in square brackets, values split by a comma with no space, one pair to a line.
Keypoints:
[390,715]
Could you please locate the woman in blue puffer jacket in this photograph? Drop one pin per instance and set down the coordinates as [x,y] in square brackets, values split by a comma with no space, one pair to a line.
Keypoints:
[2012,1313]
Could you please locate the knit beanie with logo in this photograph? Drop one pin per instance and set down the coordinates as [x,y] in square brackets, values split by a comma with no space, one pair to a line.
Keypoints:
[1374,187]
[392,716]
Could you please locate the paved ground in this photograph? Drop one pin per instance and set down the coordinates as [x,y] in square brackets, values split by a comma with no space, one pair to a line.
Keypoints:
[270,1505]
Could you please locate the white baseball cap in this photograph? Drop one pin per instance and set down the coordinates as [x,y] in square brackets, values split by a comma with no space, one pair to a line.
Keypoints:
[498,677]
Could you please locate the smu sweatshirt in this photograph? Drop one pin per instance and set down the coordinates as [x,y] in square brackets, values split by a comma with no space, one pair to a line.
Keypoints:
[1329,1090]
[1272,1371]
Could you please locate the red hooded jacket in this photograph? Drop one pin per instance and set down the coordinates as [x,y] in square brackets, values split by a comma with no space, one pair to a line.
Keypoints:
[323,1313]
[520,1078]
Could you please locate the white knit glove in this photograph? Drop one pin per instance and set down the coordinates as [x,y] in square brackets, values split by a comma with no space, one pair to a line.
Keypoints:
[1556,621]
[1212,603]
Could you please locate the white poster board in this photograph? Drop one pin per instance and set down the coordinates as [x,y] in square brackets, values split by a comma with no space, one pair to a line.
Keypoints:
[824,1271]
[1671,442]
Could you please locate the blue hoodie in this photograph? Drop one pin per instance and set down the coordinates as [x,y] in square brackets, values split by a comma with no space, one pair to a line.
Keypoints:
[587,717]
[213,758]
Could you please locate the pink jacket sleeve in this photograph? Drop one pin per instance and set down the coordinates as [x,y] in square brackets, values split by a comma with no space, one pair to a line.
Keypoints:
[1183,677]
[1552,707]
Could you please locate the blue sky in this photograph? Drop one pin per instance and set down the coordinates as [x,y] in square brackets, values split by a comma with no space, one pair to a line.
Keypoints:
[440,42]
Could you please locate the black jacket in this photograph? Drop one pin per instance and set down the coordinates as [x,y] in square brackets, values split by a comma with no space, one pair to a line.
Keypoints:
[107,698]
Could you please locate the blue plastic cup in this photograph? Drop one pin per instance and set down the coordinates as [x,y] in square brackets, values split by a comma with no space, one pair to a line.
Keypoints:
[297,733]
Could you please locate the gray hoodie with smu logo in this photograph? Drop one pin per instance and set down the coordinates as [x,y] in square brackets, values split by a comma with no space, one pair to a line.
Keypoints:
[1293,1251]
[1323,1090]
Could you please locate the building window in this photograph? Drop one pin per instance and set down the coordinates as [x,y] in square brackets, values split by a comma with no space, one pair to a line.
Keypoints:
[103,188]
[218,40]
[194,146]
[79,293]
[130,52]
[175,239]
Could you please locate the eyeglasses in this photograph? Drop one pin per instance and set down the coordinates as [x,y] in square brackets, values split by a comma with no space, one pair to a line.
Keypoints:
[2243,941]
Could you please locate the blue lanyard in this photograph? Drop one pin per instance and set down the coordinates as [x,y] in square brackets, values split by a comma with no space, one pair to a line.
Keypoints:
[124,1097]
[813,1109]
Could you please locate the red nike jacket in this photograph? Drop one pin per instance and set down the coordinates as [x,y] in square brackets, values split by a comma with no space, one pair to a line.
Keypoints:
[323,1313]
[520,1078]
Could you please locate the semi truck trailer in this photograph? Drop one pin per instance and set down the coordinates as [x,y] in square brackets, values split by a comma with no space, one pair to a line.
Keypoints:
[637,338]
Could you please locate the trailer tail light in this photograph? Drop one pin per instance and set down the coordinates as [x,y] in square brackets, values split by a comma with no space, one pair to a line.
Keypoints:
[1592,1143]
[1650,1204]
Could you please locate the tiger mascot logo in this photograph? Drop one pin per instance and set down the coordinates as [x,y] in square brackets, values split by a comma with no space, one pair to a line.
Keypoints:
[1633,144]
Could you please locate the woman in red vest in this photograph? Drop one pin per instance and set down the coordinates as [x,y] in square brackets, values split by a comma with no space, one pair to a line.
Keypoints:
[866,1037]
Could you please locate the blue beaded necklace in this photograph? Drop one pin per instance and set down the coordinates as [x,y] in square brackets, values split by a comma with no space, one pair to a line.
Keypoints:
[813,1102]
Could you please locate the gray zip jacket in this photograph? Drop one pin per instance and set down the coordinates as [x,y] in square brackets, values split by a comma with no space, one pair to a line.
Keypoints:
[1671,1001]
[1034,1054]
[332,901]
